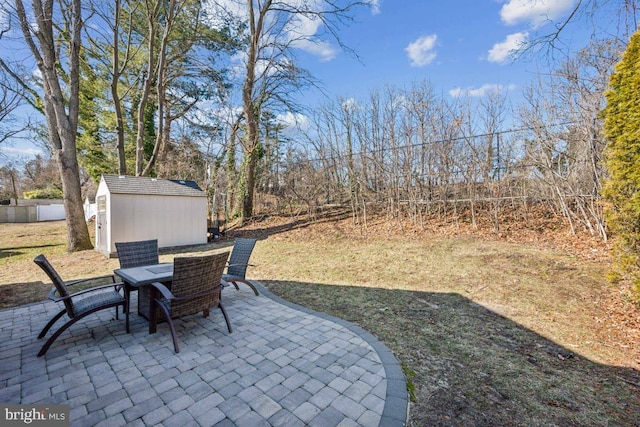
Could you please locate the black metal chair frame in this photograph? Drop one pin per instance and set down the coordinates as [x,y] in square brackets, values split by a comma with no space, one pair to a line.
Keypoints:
[75,306]
[202,274]
[238,263]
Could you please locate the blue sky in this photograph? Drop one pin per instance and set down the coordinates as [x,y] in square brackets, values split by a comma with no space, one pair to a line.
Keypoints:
[459,46]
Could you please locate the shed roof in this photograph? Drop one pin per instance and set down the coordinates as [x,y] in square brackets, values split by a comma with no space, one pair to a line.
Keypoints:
[120,184]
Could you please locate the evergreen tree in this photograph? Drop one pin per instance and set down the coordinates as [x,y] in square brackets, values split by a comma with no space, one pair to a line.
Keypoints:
[622,189]
[93,155]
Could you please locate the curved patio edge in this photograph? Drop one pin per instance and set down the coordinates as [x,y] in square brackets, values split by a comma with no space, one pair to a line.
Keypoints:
[396,406]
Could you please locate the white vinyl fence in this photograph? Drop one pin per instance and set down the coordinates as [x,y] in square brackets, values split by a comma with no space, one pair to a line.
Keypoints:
[50,212]
[31,213]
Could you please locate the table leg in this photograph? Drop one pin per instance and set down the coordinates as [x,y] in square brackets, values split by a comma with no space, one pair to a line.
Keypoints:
[127,304]
[143,301]
[153,311]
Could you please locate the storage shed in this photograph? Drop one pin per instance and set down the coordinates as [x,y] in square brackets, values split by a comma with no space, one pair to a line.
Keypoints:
[130,208]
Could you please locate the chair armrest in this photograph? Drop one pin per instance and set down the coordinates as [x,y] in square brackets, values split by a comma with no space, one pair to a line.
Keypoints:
[55,297]
[52,293]
[164,291]
[236,265]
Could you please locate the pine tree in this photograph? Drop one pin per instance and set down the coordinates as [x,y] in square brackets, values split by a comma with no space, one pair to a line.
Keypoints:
[622,188]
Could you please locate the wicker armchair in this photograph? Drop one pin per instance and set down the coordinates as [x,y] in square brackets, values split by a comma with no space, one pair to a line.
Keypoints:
[195,288]
[138,254]
[79,304]
[238,263]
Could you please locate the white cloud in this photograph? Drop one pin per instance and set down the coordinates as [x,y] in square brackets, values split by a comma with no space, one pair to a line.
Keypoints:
[294,120]
[301,26]
[500,52]
[349,104]
[323,50]
[481,91]
[534,12]
[374,5]
[422,51]
[300,31]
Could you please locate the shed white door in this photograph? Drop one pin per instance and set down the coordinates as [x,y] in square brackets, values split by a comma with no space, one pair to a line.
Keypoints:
[101,223]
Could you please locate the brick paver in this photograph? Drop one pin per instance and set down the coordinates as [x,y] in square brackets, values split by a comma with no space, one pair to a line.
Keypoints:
[282,365]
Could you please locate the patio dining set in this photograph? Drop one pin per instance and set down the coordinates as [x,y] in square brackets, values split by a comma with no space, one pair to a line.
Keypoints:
[187,286]
[274,363]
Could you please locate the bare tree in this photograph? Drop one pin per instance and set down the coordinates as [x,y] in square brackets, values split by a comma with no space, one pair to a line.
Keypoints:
[491,113]
[160,60]
[275,29]
[11,98]
[117,67]
[9,182]
[618,19]
[113,27]
[40,173]
[566,143]
[52,31]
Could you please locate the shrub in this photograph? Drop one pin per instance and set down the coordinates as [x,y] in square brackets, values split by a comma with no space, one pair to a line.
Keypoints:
[46,193]
[622,159]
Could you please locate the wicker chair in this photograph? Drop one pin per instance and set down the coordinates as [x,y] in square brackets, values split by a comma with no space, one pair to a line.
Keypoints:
[79,304]
[195,288]
[138,254]
[238,263]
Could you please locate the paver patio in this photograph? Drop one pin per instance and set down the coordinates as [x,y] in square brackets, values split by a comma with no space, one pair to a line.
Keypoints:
[283,365]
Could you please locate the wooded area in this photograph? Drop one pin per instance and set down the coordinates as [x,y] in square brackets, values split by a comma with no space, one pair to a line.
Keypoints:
[199,90]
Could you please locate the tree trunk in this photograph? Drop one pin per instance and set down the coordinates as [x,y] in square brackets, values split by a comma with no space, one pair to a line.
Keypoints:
[250,167]
[77,231]
[232,174]
[115,78]
[250,184]
[62,125]
[250,108]
[162,137]
[149,78]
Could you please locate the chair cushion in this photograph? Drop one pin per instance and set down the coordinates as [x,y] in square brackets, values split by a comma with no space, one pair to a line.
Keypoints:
[96,300]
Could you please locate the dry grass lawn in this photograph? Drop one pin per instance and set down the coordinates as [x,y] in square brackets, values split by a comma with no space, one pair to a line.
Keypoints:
[489,331]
